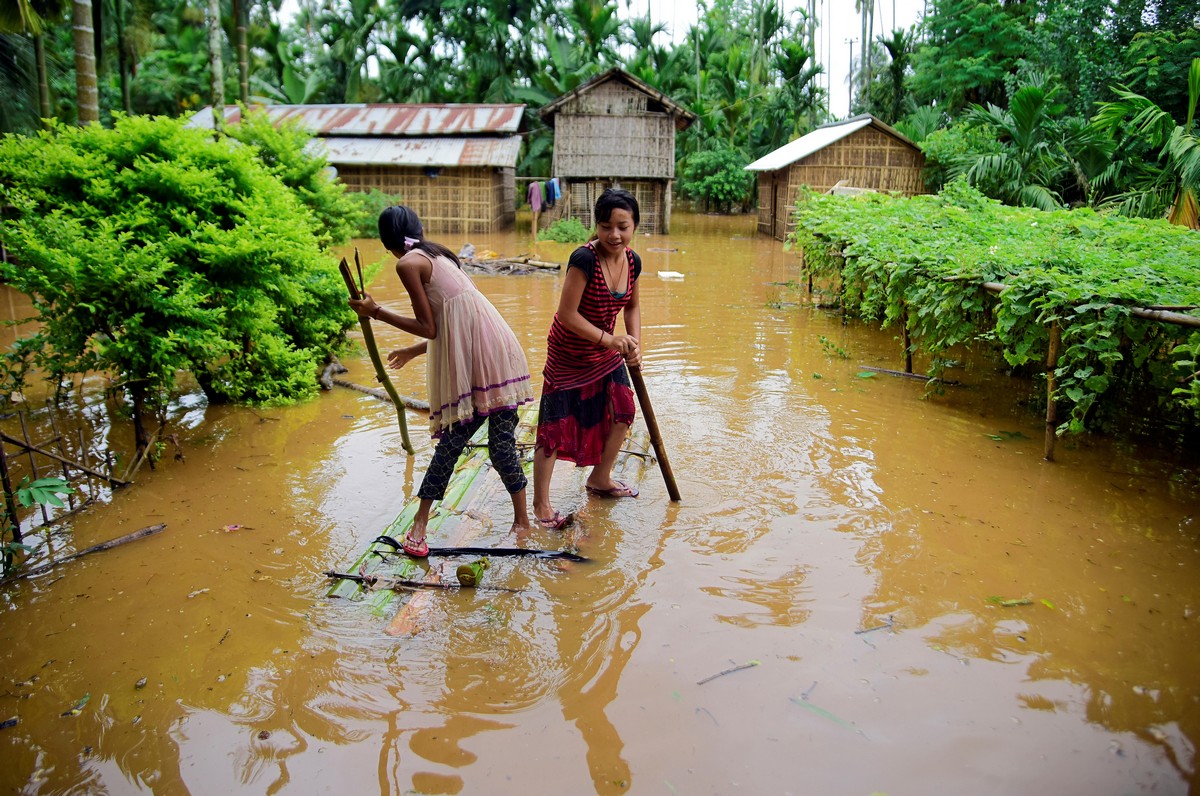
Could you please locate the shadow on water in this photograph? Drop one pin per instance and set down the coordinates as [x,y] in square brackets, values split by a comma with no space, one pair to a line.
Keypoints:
[865,589]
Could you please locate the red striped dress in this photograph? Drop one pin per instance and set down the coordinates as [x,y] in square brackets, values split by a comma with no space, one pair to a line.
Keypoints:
[586,387]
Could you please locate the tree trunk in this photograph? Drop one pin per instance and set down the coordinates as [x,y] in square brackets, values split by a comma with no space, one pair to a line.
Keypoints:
[215,63]
[83,37]
[241,15]
[39,54]
[141,439]
[122,64]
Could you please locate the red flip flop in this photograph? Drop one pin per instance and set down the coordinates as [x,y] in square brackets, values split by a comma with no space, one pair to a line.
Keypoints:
[619,491]
[416,550]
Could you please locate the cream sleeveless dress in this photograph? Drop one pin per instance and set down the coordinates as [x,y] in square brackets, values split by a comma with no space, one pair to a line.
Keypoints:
[475,365]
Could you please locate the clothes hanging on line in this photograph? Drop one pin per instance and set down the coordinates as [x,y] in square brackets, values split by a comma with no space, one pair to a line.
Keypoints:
[534,196]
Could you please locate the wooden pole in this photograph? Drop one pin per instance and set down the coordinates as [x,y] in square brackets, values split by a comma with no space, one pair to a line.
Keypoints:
[33,468]
[111,543]
[10,505]
[907,339]
[1051,386]
[373,352]
[660,451]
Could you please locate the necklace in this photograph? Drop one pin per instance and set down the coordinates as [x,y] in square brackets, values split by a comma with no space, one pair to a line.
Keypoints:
[611,274]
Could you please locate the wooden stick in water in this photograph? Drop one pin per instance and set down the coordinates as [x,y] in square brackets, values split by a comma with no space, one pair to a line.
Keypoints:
[373,352]
[660,450]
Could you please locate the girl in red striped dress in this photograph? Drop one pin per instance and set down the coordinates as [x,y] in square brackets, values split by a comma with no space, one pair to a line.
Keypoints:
[587,400]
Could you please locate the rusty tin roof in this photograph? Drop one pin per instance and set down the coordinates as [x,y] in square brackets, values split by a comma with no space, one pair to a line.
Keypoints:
[387,119]
[344,151]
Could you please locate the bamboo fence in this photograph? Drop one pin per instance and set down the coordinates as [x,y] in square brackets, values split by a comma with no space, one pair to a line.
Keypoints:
[461,200]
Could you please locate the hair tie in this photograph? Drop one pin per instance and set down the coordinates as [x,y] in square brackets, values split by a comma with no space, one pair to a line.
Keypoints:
[410,242]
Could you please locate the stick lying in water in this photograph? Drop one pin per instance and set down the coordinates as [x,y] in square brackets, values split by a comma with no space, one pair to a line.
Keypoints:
[399,584]
[500,552]
[120,540]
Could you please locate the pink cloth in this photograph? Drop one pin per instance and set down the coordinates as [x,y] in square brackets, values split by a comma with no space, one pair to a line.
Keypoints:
[475,364]
[534,195]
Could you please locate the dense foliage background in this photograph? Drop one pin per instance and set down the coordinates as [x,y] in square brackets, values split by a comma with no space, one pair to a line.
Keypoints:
[1000,91]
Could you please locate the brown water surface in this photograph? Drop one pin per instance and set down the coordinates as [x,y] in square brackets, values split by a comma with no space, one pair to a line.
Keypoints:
[845,540]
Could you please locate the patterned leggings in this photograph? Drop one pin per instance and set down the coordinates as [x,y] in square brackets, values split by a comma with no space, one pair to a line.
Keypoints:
[502,447]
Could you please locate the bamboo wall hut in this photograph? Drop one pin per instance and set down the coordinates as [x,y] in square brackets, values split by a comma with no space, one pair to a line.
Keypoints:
[859,153]
[454,164]
[616,131]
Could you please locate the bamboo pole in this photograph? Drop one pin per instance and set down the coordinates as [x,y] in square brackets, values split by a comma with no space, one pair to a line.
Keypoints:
[112,480]
[62,450]
[10,506]
[660,451]
[33,468]
[373,352]
[111,543]
[1051,386]
[1149,313]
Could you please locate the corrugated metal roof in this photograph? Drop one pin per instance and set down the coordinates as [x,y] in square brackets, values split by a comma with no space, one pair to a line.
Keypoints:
[805,145]
[386,119]
[342,151]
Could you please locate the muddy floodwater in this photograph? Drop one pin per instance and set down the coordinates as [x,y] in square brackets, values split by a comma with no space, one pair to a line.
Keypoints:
[865,589]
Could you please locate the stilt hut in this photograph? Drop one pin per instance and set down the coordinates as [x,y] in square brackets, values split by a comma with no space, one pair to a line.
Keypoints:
[859,153]
[454,164]
[616,131]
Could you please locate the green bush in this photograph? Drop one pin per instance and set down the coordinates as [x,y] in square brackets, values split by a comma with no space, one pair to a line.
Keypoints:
[150,249]
[952,146]
[566,230]
[283,149]
[717,178]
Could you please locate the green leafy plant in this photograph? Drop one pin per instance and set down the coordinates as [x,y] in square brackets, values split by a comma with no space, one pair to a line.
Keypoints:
[832,349]
[30,492]
[42,491]
[284,149]
[717,178]
[566,230]
[928,260]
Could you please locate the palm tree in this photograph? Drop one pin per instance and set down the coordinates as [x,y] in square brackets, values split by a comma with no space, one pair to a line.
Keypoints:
[216,64]
[241,21]
[21,83]
[1173,182]
[597,28]
[866,9]
[83,35]
[899,48]
[1030,165]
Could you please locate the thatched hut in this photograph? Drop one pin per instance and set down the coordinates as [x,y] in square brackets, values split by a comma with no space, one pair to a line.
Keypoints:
[860,153]
[615,130]
[454,164]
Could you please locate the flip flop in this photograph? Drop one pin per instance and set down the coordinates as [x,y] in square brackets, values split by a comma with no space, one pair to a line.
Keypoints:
[555,523]
[414,549]
[619,491]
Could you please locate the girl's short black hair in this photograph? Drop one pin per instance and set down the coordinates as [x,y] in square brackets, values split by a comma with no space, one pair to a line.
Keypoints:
[399,222]
[613,199]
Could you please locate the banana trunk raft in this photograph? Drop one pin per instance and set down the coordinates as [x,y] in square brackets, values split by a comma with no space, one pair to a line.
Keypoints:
[390,582]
